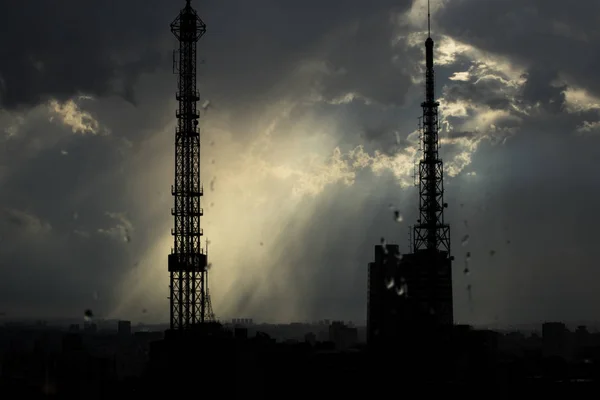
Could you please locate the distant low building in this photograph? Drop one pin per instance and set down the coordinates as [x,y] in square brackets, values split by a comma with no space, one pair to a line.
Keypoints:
[311,338]
[342,336]
[124,328]
[556,341]
[242,321]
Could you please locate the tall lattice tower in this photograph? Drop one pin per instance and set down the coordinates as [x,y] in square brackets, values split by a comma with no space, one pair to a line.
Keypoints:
[431,233]
[431,273]
[187,261]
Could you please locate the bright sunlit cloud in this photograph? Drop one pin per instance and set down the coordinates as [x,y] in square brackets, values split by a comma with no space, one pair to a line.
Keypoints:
[71,115]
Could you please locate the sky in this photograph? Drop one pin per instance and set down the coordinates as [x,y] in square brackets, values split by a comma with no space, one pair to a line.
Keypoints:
[309,134]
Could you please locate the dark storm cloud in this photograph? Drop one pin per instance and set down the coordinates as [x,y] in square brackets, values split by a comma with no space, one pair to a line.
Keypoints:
[252,52]
[373,133]
[60,276]
[383,138]
[491,89]
[101,48]
[539,89]
[24,222]
[120,52]
[382,129]
[55,205]
[59,49]
[548,35]
[254,47]
[363,59]
[487,92]
[460,134]
[528,203]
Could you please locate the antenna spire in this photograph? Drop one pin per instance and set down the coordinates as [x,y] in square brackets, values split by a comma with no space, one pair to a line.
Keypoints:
[428,20]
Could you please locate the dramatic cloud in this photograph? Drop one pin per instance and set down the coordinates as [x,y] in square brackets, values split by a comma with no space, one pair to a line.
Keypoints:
[62,50]
[309,134]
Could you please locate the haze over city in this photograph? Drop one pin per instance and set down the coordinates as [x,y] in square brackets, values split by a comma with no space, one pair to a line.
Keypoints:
[308,119]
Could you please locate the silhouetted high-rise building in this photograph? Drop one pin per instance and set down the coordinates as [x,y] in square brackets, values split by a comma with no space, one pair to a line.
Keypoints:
[382,300]
[427,294]
[406,295]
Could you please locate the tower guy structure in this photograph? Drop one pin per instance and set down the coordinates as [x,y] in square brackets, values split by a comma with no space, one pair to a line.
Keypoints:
[188,261]
[413,292]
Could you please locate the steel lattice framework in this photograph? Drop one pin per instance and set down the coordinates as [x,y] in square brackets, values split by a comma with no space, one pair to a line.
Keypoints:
[431,233]
[187,261]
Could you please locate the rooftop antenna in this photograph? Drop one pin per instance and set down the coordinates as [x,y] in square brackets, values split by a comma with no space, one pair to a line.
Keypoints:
[428,20]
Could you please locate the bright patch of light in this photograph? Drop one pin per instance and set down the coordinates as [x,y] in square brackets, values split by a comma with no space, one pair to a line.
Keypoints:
[485,119]
[454,109]
[417,15]
[588,127]
[578,100]
[460,76]
[72,116]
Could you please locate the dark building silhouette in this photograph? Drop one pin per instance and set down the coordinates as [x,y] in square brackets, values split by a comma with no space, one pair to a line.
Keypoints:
[242,321]
[205,353]
[382,297]
[342,336]
[556,340]
[124,328]
[407,294]
[427,297]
